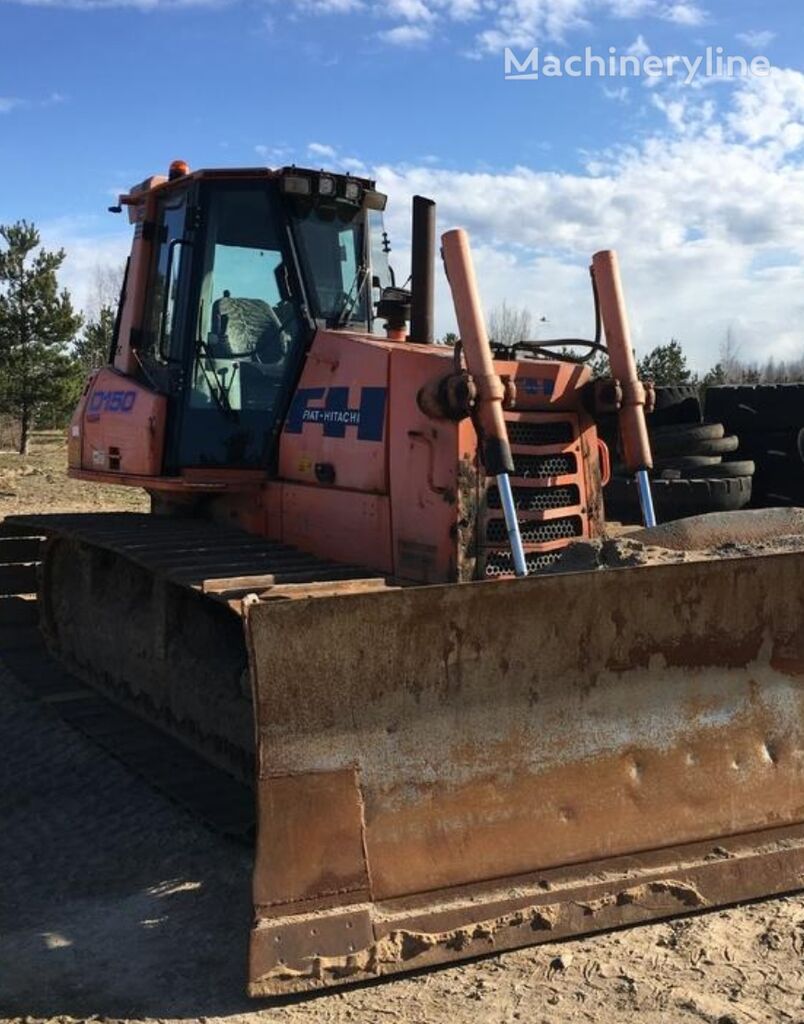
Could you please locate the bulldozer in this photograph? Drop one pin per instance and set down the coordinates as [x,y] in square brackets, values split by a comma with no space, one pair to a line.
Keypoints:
[347,594]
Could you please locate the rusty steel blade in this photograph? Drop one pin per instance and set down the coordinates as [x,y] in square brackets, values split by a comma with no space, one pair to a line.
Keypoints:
[429,758]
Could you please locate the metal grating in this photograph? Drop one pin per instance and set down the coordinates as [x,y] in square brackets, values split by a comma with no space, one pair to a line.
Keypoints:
[544,465]
[541,531]
[498,563]
[536,433]
[539,499]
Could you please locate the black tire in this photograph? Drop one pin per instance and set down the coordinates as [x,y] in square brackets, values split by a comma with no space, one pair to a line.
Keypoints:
[668,446]
[758,444]
[738,468]
[686,462]
[800,445]
[677,499]
[771,499]
[680,404]
[757,407]
[780,477]
[688,432]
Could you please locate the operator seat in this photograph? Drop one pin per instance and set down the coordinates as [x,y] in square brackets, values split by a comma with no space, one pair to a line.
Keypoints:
[247,327]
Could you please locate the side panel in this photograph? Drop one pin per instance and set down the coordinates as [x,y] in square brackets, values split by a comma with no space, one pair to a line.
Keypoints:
[120,425]
[335,432]
[497,729]
[346,526]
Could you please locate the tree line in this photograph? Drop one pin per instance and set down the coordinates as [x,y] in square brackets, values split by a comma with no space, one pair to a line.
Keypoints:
[47,347]
[665,364]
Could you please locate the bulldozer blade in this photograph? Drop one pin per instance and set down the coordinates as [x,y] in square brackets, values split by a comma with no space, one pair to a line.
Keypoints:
[449,771]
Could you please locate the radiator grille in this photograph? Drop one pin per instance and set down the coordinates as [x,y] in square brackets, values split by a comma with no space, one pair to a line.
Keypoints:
[541,531]
[539,499]
[544,465]
[498,563]
[523,432]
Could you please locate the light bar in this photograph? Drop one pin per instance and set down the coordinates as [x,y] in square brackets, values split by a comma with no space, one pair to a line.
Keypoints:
[331,186]
[296,184]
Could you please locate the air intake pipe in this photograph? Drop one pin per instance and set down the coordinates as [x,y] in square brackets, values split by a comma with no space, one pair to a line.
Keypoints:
[422,280]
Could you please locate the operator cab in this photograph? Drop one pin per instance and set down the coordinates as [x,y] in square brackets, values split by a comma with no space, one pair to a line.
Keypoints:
[245,267]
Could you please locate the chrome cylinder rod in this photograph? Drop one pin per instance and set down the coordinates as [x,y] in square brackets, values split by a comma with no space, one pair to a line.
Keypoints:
[512,524]
[645,498]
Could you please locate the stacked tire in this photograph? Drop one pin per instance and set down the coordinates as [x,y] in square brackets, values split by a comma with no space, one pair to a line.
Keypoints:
[769,419]
[697,466]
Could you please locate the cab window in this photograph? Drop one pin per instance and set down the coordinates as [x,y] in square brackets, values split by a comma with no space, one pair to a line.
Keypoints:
[161,322]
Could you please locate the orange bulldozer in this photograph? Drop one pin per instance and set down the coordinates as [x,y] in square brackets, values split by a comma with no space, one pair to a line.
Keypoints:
[352,593]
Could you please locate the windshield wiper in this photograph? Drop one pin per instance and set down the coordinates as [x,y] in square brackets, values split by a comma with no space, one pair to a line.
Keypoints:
[351,296]
[217,388]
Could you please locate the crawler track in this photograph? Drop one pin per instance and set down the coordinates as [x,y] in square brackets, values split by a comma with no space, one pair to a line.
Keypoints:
[169,566]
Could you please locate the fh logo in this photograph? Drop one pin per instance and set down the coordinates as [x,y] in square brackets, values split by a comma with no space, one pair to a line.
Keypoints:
[335,414]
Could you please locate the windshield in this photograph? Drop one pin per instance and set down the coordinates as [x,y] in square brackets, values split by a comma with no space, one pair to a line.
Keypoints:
[331,241]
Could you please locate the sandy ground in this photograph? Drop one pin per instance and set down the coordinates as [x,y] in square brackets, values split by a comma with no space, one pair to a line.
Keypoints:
[115,904]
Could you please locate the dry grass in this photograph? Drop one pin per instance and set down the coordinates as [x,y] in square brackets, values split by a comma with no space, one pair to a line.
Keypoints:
[38,482]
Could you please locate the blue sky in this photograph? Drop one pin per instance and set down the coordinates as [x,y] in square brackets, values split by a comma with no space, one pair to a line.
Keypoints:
[699,187]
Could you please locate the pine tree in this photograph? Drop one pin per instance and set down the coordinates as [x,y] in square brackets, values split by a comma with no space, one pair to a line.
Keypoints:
[37,324]
[93,347]
[666,364]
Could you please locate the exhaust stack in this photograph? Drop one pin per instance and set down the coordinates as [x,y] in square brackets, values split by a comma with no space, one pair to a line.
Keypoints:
[422,271]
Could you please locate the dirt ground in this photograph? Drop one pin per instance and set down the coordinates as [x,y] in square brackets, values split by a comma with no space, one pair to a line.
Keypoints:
[38,483]
[115,904]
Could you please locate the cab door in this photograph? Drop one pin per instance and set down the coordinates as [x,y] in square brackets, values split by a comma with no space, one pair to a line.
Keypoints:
[165,325]
[244,337]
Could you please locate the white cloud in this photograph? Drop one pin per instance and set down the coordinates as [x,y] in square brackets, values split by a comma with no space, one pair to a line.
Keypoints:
[630,8]
[639,47]
[685,113]
[409,10]
[464,10]
[330,6]
[757,40]
[87,248]
[709,224]
[499,22]
[684,14]
[274,156]
[771,110]
[9,103]
[353,165]
[621,94]
[525,22]
[529,22]
[143,5]
[321,149]
[405,35]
